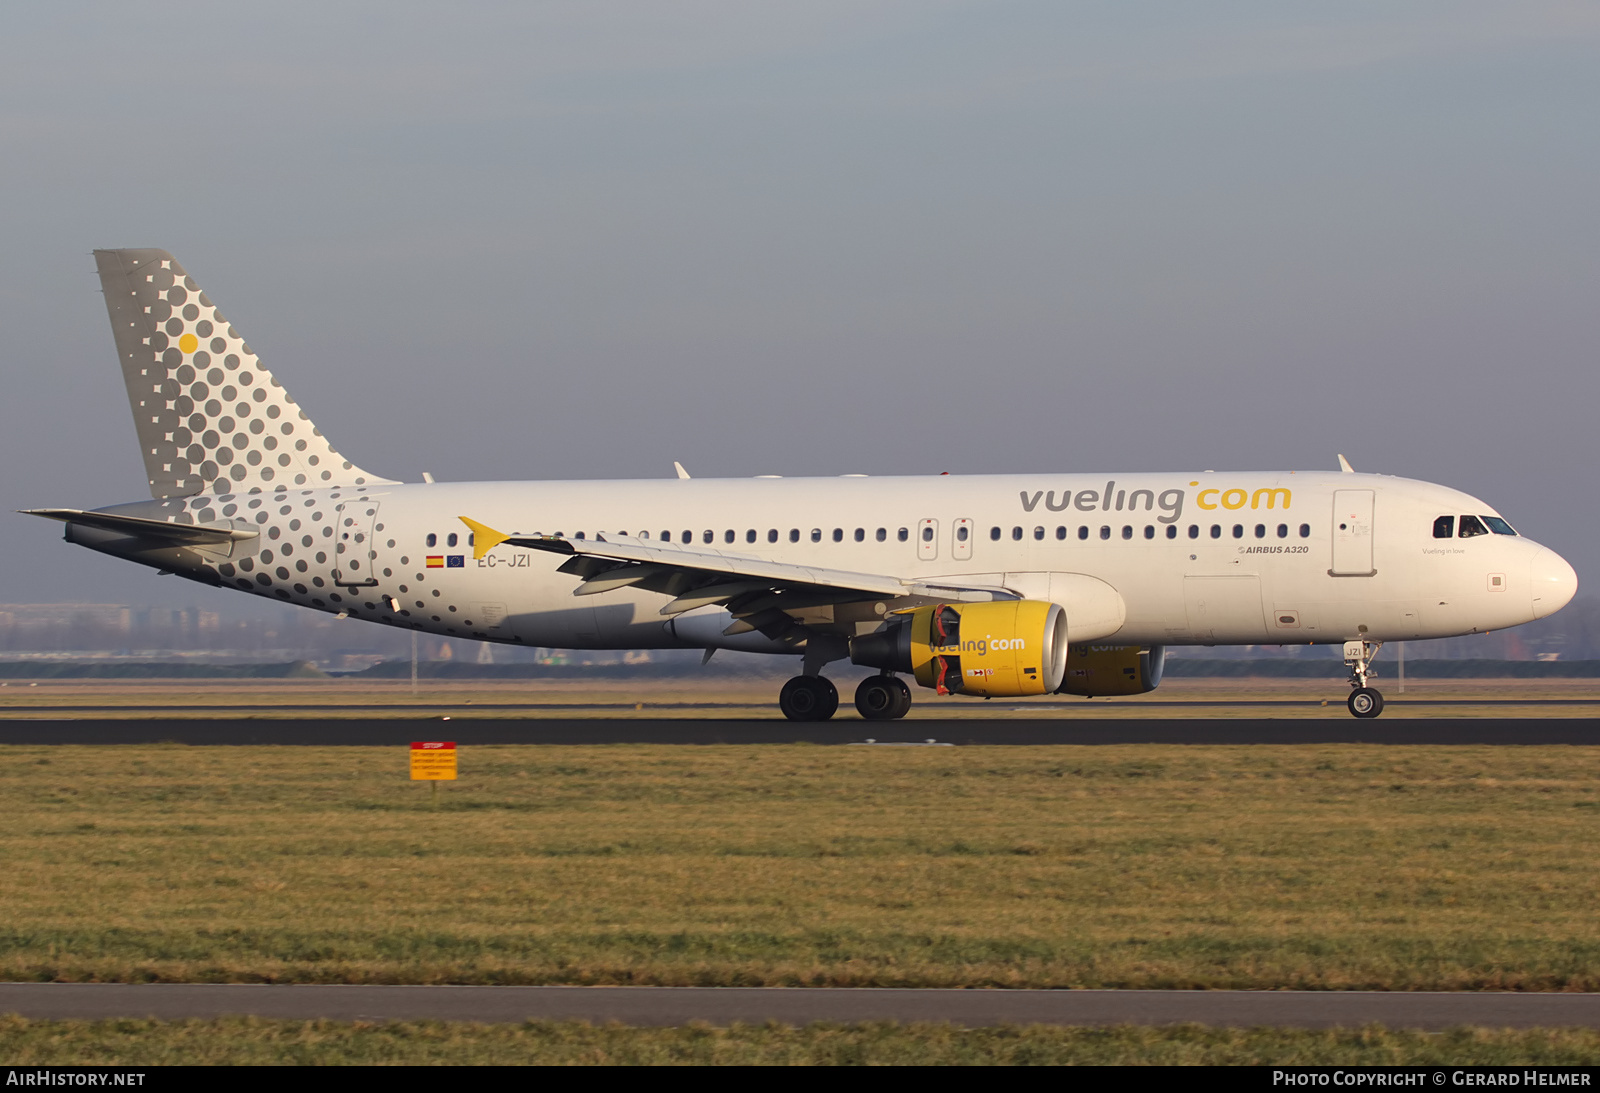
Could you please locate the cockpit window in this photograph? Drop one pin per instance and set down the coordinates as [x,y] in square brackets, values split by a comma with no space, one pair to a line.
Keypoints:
[1499,526]
[1444,527]
[1471,525]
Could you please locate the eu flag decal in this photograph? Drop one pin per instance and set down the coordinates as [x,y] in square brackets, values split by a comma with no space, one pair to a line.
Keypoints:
[455,561]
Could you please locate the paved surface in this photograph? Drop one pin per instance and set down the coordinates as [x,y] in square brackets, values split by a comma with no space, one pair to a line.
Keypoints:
[419,709]
[723,1005]
[397,731]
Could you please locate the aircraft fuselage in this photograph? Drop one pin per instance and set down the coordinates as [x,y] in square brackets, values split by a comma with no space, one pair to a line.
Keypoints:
[1197,559]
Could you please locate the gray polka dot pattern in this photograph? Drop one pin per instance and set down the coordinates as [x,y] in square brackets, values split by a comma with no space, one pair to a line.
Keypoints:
[210,417]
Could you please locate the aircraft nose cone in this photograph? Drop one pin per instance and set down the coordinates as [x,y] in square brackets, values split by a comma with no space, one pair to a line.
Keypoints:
[1553,581]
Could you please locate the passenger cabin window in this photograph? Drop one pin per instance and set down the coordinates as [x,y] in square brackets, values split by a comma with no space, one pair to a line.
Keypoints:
[1127,531]
[1499,526]
[1149,531]
[1305,531]
[1261,531]
[838,535]
[961,534]
[772,535]
[1061,532]
[794,535]
[1444,527]
[451,541]
[1016,533]
[1216,531]
[1283,531]
[709,536]
[433,540]
[1083,532]
[1194,531]
[883,535]
[861,534]
[1105,532]
[927,535]
[903,534]
[1172,531]
[994,533]
[750,536]
[688,536]
[816,535]
[1472,526]
[1038,533]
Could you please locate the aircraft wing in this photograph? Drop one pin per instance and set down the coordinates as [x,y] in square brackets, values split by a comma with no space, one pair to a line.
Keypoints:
[757,592]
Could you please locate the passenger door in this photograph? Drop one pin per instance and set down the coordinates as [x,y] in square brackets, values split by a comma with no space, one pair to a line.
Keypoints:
[355,551]
[1352,534]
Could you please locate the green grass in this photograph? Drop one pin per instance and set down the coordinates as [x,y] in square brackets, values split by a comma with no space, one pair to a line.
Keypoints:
[1333,867]
[251,1041]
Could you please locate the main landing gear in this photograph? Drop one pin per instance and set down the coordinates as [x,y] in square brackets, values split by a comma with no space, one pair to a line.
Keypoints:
[883,698]
[808,698]
[1364,701]
[815,698]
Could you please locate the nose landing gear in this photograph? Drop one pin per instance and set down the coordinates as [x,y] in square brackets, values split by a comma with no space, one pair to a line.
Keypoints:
[1364,701]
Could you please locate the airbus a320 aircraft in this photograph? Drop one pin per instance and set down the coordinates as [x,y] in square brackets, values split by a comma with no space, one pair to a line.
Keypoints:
[988,586]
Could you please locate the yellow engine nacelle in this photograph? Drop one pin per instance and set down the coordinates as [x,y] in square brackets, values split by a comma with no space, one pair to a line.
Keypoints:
[1000,649]
[1099,670]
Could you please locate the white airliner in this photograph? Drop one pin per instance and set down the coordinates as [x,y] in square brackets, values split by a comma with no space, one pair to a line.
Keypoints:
[991,586]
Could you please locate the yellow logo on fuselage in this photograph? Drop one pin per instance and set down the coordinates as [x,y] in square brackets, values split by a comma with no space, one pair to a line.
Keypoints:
[1170,502]
[1236,498]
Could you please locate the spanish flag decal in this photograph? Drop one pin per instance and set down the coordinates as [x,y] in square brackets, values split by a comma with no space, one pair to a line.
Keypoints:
[436,561]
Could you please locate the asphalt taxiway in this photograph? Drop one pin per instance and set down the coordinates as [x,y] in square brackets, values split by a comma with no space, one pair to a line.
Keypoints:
[398,731]
[666,1006]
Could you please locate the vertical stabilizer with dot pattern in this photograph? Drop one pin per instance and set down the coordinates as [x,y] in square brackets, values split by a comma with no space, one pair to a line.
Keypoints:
[210,417]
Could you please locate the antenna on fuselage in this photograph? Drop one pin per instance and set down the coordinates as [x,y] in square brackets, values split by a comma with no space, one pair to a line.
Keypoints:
[1344,465]
[679,468]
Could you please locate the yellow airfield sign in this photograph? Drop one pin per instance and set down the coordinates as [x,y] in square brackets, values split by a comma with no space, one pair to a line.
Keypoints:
[433,761]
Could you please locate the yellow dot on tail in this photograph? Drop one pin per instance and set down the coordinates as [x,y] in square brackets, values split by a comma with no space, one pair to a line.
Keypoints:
[188,343]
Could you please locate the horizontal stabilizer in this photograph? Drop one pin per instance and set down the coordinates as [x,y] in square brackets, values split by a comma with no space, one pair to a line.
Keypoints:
[195,535]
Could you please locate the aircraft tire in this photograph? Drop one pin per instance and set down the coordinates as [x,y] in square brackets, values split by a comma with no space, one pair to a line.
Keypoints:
[878,699]
[808,698]
[902,707]
[1365,702]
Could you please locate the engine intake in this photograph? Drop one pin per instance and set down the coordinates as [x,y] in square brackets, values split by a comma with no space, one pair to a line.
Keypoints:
[999,649]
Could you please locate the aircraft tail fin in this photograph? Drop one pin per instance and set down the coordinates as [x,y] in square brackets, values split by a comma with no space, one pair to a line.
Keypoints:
[210,417]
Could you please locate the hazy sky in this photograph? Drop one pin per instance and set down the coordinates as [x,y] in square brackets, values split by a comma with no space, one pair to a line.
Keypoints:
[582,240]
